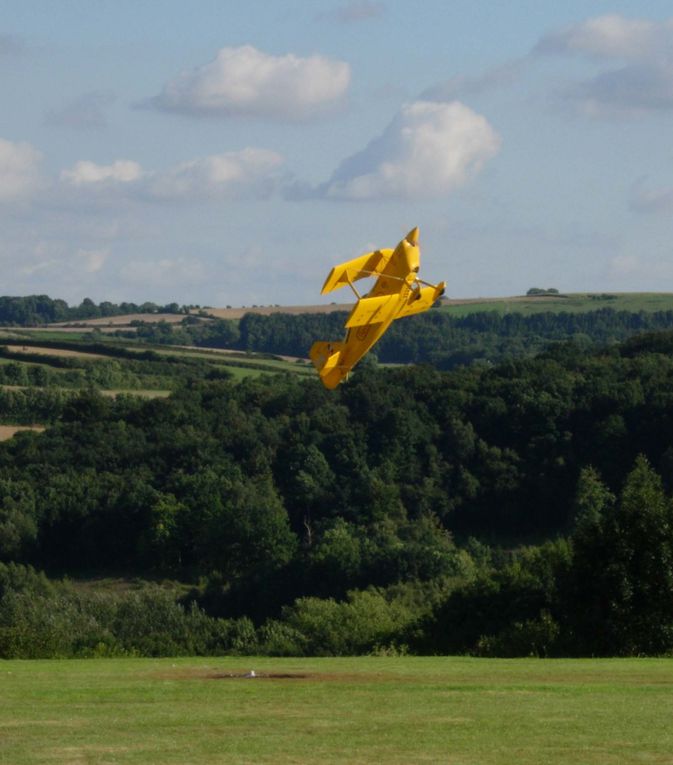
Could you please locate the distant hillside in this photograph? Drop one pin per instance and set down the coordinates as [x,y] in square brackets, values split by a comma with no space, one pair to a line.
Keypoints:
[456,333]
[44,312]
[577,302]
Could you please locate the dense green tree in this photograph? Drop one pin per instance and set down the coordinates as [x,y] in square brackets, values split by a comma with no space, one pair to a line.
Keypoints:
[620,599]
[18,519]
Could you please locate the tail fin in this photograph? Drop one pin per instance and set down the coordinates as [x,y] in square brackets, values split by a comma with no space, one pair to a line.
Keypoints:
[325,355]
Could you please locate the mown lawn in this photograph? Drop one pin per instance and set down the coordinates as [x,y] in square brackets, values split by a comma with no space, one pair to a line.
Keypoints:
[367,710]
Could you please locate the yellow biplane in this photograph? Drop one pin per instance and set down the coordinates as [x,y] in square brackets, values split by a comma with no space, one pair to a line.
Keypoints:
[397,292]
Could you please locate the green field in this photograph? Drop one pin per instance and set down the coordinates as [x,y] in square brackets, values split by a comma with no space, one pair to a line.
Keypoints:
[367,710]
[573,303]
[245,363]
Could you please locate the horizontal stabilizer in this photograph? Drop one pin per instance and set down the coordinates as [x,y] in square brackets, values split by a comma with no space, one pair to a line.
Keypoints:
[325,355]
[369,310]
[422,299]
[370,264]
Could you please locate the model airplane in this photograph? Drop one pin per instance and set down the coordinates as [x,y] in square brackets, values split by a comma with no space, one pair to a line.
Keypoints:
[396,293]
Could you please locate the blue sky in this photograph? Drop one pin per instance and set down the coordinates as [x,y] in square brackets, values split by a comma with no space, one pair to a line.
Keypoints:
[229,153]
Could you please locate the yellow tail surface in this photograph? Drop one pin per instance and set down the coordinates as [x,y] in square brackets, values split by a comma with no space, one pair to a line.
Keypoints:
[325,355]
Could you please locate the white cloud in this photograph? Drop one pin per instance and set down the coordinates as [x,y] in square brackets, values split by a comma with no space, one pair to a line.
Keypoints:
[643,79]
[429,149]
[19,170]
[85,173]
[244,81]
[249,172]
[610,36]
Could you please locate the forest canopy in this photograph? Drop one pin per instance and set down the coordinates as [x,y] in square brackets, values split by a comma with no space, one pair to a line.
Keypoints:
[517,509]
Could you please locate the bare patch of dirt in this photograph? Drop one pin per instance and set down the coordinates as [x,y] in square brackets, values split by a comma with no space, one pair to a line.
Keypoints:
[317,677]
[259,676]
[7,431]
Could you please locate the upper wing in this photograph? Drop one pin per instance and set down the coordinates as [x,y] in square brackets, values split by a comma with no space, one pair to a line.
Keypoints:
[421,300]
[368,310]
[370,264]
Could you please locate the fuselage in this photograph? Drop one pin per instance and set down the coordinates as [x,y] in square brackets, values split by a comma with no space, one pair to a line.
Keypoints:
[395,280]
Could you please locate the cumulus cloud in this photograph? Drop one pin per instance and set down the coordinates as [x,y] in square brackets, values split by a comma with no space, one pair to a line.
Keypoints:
[610,36]
[249,172]
[19,170]
[84,113]
[85,173]
[429,149]
[244,81]
[642,50]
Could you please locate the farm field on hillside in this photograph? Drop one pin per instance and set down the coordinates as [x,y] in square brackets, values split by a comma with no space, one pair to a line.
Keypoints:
[366,710]
[228,358]
[58,352]
[235,363]
[571,303]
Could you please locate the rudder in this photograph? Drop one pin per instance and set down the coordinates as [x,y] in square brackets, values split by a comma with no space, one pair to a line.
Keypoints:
[324,355]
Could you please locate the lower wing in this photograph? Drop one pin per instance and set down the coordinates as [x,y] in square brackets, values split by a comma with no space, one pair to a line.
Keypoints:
[422,299]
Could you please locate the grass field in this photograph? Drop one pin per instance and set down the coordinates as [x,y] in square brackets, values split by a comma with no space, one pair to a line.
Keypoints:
[32,333]
[368,710]
[572,303]
[237,360]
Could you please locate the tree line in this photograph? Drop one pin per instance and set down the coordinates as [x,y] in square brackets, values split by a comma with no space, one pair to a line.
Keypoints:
[435,337]
[33,310]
